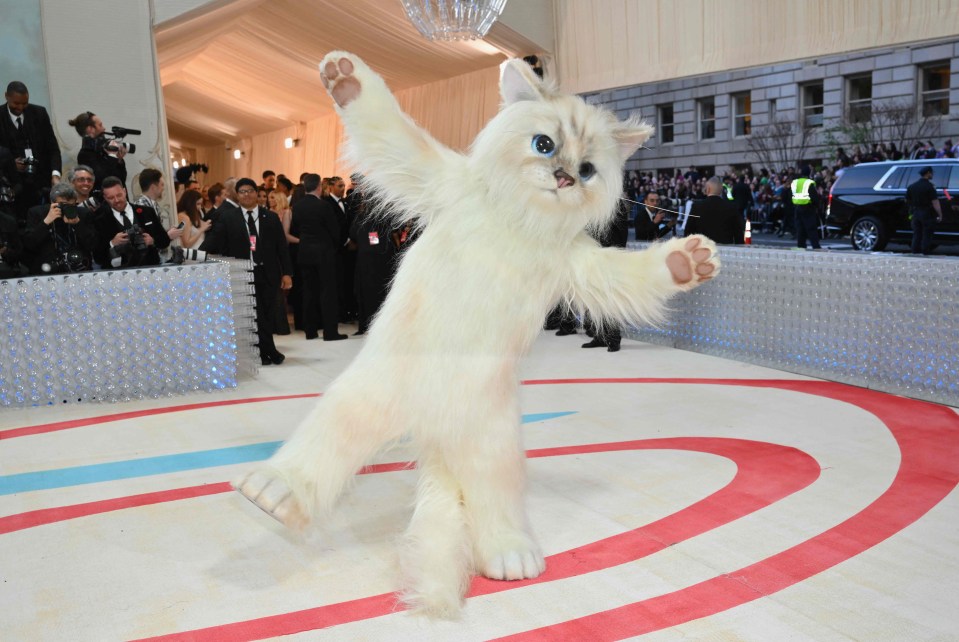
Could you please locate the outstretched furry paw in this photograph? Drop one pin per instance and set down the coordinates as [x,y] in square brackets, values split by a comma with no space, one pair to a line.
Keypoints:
[337,72]
[273,496]
[694,262]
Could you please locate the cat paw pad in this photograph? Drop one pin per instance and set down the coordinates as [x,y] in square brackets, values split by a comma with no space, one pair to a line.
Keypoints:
[694,262]
[274,497]
[337,72]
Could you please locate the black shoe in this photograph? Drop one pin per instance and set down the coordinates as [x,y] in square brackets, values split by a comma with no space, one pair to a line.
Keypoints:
[595,343]
[265,360]
[551,326]
[612,348]
[335,337]
[278,357]
[310,337]
[359,333]
[563,332]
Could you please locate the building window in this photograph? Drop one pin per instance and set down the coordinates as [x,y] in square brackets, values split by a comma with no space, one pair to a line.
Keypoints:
[772,110]
[935,89]
[706,109]
[666,130]
[742,114]
[859,99]
[811,97]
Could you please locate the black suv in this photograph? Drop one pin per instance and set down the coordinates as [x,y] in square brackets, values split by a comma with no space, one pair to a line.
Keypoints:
[868,202]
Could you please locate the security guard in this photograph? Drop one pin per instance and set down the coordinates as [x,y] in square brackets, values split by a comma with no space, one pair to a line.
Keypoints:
[806,208]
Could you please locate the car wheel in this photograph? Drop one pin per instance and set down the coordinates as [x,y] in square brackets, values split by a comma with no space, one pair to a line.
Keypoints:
[868,234]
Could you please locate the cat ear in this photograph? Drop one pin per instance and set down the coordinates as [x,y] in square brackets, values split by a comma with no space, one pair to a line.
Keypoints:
[519,82]
[630,135]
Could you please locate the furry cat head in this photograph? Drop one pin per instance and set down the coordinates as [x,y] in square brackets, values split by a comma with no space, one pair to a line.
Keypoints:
[557,158]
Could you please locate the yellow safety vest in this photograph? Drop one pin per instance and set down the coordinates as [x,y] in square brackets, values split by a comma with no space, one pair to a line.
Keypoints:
[729,193]
[800,188]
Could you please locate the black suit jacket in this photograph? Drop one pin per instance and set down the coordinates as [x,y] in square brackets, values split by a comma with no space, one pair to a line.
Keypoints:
[103,165]
[43,243]
[38,132]
[317,223]
[343,217]
[717,218]
[13,247]
[108,226]
[230,236]
[646,230]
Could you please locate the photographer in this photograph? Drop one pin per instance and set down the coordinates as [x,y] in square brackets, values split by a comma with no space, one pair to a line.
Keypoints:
[100,151]
[26,131]
[82,179]
[60,237]
[127,235]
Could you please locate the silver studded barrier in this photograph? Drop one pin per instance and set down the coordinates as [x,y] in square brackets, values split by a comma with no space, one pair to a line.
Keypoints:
[118,335]
[879,321]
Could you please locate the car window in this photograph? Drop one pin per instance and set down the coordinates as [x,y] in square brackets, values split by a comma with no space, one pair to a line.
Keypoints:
[940,176]
[954,182]
[892,181]
[861,176]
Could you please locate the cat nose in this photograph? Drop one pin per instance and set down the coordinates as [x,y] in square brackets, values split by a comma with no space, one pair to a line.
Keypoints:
[563,179]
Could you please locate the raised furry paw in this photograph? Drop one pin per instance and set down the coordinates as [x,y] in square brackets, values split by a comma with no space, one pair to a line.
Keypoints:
[273,496]
[337,70]
[694,262]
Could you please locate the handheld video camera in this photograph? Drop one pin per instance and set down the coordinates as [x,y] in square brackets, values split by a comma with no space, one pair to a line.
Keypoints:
[113,141]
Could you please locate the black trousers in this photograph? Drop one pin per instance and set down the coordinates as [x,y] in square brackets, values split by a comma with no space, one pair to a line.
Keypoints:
[266,295]
[923,229]
[320,305]
[807,227]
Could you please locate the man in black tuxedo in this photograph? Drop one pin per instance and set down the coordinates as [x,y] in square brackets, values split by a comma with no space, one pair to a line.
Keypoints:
[253,232]
[346,253]
[60,237]
[26,131]
[651,223]
[316,222]
[119,243]
[716,216]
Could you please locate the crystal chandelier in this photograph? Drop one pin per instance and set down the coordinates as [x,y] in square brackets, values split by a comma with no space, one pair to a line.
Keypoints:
[453,19]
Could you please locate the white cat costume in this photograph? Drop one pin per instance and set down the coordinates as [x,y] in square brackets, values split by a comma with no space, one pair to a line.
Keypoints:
[504,239]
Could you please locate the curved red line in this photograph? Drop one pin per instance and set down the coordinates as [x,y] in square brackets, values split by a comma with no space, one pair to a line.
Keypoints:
[928,438]
[40,429]
[765,473]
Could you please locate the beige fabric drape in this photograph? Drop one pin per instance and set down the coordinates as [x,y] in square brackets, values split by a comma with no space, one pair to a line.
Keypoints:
[603,44]
[453,111]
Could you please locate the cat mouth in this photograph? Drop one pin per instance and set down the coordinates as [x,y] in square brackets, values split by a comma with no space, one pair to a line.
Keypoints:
[563,179]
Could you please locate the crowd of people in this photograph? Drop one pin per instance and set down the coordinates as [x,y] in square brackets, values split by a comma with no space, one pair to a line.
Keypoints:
[317,256]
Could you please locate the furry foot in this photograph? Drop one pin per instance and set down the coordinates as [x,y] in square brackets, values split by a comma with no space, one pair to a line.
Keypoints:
[694,263]
[336,71]
[517,562]
[273,496]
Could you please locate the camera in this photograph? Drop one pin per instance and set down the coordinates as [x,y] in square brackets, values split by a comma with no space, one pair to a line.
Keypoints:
[113,141]
[182,254]
[30,165]
[69,210]
[135,233]
[72,260]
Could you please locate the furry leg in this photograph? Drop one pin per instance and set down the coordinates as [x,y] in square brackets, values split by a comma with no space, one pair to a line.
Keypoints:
[435,557]
[304,478]
[491,468]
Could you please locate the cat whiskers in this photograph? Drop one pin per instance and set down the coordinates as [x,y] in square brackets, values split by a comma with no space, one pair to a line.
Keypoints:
[655,207]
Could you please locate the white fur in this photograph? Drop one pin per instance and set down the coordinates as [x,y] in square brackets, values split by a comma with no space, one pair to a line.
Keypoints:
[501,246]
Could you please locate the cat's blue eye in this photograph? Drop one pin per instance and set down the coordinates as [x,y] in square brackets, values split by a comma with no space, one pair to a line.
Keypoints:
[543,144]
[586,170]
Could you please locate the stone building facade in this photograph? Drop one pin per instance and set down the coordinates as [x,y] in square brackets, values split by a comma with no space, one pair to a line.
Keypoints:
[890,94]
